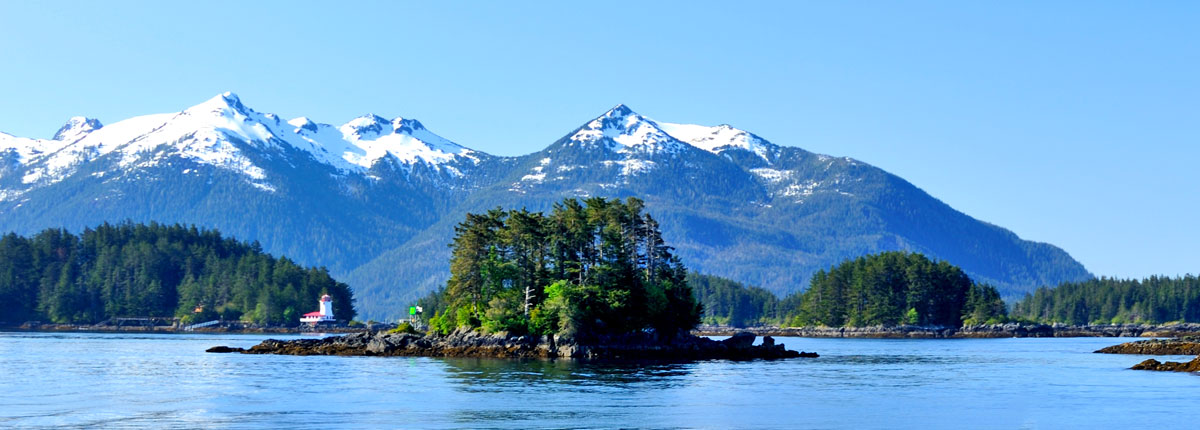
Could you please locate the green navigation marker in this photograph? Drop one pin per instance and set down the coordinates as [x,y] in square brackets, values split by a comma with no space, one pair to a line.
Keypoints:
[412,310]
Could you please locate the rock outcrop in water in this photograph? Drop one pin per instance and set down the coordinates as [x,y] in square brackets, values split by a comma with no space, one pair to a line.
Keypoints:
[1188,345]
[1170,366]
[467,343]
[1178,346]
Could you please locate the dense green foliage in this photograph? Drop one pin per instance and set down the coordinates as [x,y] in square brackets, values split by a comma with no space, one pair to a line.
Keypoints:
[894,288]
[1105,300]
[129,270]
[584,270]
[731,303]
[891,288]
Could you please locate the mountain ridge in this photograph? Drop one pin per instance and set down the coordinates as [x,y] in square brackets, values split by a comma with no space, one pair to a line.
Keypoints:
[376,199]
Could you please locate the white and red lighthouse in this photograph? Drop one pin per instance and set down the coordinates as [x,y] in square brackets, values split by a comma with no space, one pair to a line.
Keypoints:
[323,315]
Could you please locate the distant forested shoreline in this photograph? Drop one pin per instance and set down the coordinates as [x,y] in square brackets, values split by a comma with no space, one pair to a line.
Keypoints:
[1153,300]
[156,270]
[1104,301]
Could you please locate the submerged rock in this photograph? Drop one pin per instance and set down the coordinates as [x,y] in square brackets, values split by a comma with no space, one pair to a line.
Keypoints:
[1178,346]
[469,343]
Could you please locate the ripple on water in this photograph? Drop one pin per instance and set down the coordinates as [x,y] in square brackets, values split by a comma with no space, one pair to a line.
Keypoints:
[167,381]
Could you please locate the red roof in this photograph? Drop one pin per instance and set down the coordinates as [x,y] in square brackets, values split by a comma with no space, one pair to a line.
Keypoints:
[313,314]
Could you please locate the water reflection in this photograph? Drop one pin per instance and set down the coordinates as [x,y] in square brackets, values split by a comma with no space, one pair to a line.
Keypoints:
[167,381]
[486,374]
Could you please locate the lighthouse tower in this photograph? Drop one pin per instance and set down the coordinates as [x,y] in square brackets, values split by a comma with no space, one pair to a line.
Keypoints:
[327,307]
[323,315]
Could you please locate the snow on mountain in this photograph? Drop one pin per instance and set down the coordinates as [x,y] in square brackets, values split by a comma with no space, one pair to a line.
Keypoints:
[626,131]
[212,133]
[720,138]
[23,149]
[201,133]
[372,138]
[364,141]
[76,128]
[218,131]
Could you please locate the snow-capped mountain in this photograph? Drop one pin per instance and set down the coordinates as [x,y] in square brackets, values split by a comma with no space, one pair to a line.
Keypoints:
[371,182]
[721,138]
[76,128]
[364,141]
[624,131]
[617,151]
[219,133]
[376,199]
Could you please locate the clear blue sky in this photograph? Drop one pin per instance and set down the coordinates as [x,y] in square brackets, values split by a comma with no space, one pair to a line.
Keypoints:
[1074,123]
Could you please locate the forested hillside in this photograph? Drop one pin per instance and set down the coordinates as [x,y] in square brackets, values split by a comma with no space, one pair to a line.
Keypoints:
[730,303]
[138,270]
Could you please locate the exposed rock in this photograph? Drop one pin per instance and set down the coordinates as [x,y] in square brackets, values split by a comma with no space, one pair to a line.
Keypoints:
[741,339]
[1170,366]
[469,343]
[223,349]
[1179,346]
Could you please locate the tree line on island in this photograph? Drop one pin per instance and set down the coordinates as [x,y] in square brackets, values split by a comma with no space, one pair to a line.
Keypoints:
[601,267]
[587,269]
[156,270]
[1153,300]
[889,289]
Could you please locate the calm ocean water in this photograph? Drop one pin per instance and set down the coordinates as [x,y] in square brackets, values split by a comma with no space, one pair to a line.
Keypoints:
[54,380]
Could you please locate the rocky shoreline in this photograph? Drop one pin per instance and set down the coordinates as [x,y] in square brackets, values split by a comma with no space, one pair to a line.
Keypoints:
[966,332]
[468,343]
[1189,345]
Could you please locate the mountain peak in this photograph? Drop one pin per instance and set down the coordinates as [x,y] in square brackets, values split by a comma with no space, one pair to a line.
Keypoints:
[626,130]
[367,127]
[226,101]
[620,110]
[76,128]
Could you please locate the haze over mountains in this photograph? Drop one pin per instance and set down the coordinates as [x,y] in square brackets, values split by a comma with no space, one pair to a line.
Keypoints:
[376,199]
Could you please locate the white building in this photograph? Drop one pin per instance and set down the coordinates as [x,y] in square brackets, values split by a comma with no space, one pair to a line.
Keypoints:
[323,315]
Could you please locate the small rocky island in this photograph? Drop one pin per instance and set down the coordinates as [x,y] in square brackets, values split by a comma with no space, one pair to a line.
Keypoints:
[1188,345]
[589,280]
[470,343]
